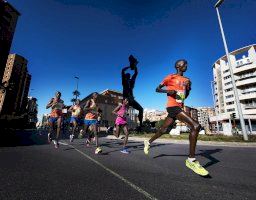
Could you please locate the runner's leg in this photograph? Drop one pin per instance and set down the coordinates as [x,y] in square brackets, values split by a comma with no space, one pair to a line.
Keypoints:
[168,121]
[138,107]
[195,127]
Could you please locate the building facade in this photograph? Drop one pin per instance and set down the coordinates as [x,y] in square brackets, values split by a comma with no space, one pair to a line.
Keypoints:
[204,113]
[107,101]
[153,115]
[16,77]
[243,62]
[8,20]
[32,110]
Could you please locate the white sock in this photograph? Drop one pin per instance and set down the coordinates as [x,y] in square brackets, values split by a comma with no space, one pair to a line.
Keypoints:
[191,159]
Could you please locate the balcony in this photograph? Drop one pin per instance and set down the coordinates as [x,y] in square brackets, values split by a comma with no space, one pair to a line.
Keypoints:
[246,76]
[250,111]
[246,81]
[247,96]
[245,67]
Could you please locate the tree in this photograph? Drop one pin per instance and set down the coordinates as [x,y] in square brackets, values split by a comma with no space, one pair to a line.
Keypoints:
[76,93]
[73,100]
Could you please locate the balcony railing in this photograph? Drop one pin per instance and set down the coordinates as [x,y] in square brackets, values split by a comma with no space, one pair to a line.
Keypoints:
[242,64]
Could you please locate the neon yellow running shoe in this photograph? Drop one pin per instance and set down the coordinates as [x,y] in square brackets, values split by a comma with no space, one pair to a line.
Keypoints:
[197,168]
[98,150]
[146,147]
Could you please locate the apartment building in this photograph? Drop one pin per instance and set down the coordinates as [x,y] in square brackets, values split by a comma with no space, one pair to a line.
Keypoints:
[243,63]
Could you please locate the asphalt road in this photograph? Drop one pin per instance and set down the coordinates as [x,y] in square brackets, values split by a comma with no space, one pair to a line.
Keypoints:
[33,169]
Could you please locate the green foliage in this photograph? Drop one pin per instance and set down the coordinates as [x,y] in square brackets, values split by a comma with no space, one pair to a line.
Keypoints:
[73,100]
[76,93]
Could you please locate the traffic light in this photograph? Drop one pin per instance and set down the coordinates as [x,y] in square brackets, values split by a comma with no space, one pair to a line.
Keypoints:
[233,115]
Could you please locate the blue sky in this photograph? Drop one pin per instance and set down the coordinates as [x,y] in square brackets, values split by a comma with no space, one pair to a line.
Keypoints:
[93,39]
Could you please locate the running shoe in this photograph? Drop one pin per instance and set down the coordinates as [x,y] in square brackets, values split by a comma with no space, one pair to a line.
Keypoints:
[71,138]
[56,144]
[196,167]
[125,151]
[146,147]
[87,142]
[98,150]
[49,138]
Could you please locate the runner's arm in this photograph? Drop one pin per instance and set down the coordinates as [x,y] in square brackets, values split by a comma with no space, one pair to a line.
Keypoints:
[70,109]
[87,106]
[50,104]
[123,74]
[135,73]
[116,110]
[188,89]
[160,89]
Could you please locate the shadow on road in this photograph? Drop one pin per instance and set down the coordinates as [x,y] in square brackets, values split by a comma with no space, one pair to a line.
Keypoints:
[13,138]
[205,153]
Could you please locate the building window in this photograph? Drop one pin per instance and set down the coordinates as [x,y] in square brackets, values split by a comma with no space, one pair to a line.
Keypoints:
[231,110]
[229,96]
[230,89]
[228,83]
[230,103]
[227,77]
[226,71]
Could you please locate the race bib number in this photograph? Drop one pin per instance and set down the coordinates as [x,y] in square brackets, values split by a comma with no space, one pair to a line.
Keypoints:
[180,96]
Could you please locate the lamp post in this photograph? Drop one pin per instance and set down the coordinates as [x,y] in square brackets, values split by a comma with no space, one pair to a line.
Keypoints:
[239,108]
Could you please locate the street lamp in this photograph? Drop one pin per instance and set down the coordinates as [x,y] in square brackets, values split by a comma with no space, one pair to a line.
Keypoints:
[239,109]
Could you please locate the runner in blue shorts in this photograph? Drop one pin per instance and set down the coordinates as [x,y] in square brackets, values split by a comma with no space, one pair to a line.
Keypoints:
[76,111]
[90,120]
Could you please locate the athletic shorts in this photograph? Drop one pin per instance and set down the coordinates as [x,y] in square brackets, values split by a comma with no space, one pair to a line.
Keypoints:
[74,119]
[173,111]
[53,119]
[89,122]
[120,121]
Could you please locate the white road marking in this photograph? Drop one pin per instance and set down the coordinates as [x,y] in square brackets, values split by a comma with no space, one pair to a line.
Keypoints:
[137,188]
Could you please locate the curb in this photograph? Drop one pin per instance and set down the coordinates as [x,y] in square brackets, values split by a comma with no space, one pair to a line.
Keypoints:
[205,143]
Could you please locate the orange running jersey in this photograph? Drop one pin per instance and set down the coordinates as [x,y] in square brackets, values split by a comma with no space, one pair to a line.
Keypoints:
[178,83]
[57,109]
[92,114]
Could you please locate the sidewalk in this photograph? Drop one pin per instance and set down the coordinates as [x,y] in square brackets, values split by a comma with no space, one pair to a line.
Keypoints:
[205,143]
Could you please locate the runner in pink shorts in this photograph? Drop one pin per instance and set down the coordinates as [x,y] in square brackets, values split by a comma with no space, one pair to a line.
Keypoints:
[121,122]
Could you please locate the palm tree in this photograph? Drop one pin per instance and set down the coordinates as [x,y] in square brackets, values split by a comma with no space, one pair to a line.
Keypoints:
[76,93]
[73,100]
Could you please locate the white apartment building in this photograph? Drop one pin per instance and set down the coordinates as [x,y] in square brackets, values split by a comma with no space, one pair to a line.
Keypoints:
[243,63]
[154,115]
[204,113]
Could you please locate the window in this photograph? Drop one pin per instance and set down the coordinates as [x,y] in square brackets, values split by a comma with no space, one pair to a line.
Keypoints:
[226,71]
[228,90]
[228,83]
[230,103]
[226,77]
[230,110]
[229,96]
